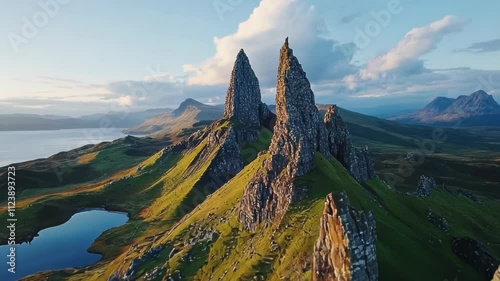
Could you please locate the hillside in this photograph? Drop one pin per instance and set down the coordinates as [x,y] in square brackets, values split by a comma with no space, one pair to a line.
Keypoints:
[33,122]
[478,109]
[189,113]
[298,200]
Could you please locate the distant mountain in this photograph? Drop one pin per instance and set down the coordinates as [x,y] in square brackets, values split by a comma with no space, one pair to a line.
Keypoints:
[34,122]
[190,112]
[478,109]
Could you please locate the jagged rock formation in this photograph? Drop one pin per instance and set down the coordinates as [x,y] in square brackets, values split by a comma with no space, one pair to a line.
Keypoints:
[299,132]
[497,275]
[355,160]
[425,186]
[241,123]
[243,95]
[246,114]
[227,162]
[345,249]
[475,253]
[437,220]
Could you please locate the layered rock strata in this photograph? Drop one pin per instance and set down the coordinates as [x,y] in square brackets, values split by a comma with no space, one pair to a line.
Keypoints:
[345,249]
[299,132]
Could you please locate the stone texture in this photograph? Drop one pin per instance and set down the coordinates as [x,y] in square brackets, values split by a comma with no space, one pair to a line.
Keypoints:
[425,186]
[496,277]
[243,102]
[345,249]
[227,162]
[475,253]
[298,134]
[356,160]
[437,220]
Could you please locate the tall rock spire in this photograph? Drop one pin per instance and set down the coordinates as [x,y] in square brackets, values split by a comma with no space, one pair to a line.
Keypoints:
[298,134]
[297,117]
[243,95]
[346,246]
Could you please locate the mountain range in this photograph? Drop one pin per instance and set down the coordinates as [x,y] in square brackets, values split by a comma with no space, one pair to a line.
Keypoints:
[189,114]
[292,193]
[477,109]
[34,122]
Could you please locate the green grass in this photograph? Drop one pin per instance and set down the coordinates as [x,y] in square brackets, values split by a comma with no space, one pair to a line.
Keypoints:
[158,199]
[406,240]
[249,151]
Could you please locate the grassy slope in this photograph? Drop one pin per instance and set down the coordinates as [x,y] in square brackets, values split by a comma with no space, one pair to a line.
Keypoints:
[171,191]
[90,164]
[406,241]
[467,159]
[401,220]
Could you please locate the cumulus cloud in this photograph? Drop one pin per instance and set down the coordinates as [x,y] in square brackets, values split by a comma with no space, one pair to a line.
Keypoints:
[263,33]
[404,58]
[482,47]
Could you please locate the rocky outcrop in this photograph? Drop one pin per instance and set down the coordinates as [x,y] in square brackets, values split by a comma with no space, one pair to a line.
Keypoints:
[355,160]
[243,95]
[475,253]
[425,186]
[437,220]
[345,249]
[469,195]
[227,162]
[298,134]
[496,277]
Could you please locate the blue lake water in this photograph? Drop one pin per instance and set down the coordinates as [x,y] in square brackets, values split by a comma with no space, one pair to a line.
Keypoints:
[19,146]
[62,246]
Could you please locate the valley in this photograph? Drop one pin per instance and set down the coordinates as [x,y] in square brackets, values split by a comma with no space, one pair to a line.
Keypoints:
[242,197]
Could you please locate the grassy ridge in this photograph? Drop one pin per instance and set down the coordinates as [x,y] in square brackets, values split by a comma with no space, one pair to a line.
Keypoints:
[407,242]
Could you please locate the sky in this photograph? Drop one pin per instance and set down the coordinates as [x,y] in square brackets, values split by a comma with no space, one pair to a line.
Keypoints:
[69,57]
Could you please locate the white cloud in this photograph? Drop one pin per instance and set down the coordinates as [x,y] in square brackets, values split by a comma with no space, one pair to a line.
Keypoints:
[262,35]
[125,101]
[404,58]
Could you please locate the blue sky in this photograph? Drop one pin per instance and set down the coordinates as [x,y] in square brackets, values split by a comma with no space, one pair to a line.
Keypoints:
[96,56]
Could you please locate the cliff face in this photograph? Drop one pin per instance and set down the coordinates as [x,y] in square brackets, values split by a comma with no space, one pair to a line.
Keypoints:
[345,249]
[425,186]
[356,160]
[299,132]
[243,95]
[298,129]
[496,277]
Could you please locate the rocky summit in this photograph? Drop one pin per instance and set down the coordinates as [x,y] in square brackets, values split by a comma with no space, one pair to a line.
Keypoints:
[345,249]
[299,132]
[243,95]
